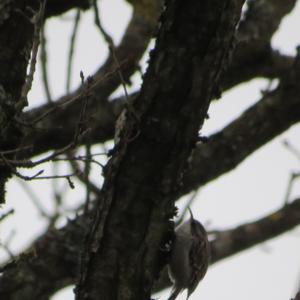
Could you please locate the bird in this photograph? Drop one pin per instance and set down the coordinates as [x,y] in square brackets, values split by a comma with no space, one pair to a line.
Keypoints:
[189,258]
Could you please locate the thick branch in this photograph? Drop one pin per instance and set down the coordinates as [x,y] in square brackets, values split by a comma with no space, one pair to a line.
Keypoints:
[122,253]
[227,147]
[265,64]
[58,7]
[31,278]
[16,37]
[59,125]
[271,116]
[232,241]
[49,265]
[262,20]
[252,58]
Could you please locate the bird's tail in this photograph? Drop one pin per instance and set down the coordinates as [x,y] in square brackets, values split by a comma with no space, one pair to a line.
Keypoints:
[175,292]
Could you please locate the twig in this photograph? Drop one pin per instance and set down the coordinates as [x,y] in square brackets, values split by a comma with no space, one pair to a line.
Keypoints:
[56,195]
[292,149]
[82,178]
[8,251]
[6,214]
[5,245]
[51,157]
[37,175]
[85,98]
[293,177]
[87,170]
[79,158]
[69,101]
[112,50]
[12,151]
[71,50]
[34,199]
[31,164]
[44,59]
[67,177]
[38,21]
[187,206]
[92,155]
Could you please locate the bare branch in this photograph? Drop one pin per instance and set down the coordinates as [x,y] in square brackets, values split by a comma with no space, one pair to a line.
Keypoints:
[38,20]
[71,50]
[58,7]
[255,127]
[68,241]
[44,60]
[232,241]
[6,214]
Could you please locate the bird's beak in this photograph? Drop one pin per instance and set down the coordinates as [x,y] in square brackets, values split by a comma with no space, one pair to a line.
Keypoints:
[192,216]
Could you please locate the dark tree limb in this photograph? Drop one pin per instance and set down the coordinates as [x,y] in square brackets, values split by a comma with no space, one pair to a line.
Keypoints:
[30,277]
[267,64]
[262,62]
[253,56]
[262,19]
[16,39]
[232,241]
[122,253]
[251,59]
[271,116]
[58,7]
[48,266]
[44,287]
[229,142]
[297,296]
[59,125]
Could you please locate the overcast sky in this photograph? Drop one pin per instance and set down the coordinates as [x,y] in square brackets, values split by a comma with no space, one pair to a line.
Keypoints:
[256,187]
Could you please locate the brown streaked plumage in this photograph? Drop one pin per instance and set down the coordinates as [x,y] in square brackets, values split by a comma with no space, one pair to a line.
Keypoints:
[189,257]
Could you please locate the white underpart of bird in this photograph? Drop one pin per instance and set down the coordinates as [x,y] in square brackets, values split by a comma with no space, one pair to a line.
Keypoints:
[190,257]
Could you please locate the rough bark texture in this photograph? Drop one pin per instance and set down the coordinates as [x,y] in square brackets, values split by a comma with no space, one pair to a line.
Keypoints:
[46,251]
[148,169]
[275,113]
[16,35]
[122,254]
[57,7]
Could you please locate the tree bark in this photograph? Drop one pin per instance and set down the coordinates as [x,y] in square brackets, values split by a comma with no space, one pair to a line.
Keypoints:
[123,256]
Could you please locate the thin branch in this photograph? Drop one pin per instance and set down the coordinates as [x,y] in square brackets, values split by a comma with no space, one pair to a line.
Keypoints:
[5,245]
[71,49]
[292,149]
[20,149]
[44,60]
[85,98]
[293,177]
[34,198]
[87,170]
[70,100]
[112,50]
[56,194]
[38,22]
[79,158]
[230,242]
[6,214]
[80,175]
[31,164]
[67,239]
[36,176]
[188,204]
